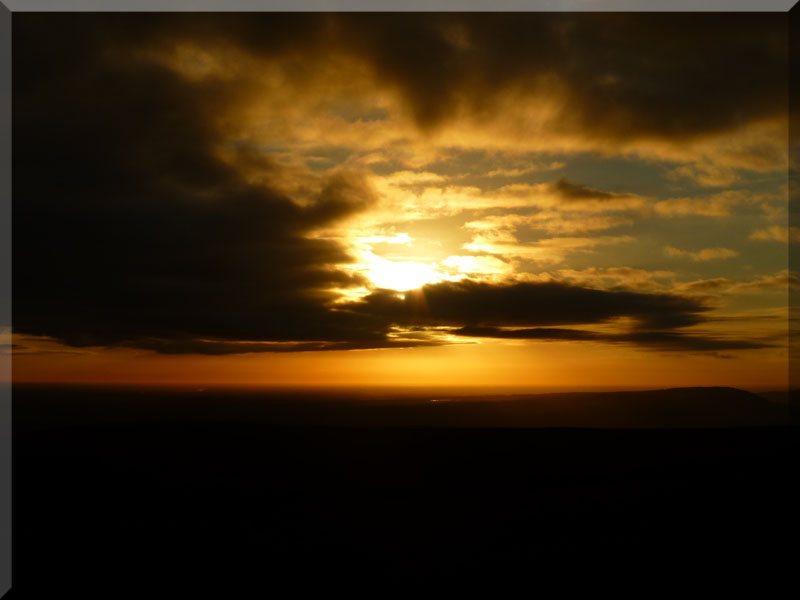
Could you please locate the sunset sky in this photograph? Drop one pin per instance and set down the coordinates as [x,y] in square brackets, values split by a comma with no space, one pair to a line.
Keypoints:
[526,200]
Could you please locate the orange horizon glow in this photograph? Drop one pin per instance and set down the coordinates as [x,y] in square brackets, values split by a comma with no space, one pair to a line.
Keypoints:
[488,365]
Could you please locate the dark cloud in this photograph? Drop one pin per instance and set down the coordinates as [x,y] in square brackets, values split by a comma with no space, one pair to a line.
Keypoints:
[531,310]
[670,340]
[215,347]
[569,191]
[622,76]
[128,226]
[131,230]
[536,333]
[470,303]
[657,340]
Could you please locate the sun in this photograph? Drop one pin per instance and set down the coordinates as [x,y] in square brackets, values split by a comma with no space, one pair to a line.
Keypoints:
[399,273]
[401,276]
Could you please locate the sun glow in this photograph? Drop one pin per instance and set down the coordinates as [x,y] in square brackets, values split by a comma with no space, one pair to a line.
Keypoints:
[397,273]
[401,276]
[401,271]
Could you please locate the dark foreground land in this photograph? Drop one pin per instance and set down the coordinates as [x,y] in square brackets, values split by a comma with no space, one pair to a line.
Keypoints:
[121,493]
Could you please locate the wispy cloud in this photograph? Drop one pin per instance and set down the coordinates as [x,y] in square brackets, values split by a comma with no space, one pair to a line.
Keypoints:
[703,255]
[705,174]
[782,280]
[776,233]
[549,250]
[714,205]
[518,172]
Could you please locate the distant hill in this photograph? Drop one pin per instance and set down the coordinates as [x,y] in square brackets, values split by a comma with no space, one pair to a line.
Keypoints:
[42,406]
[676,407]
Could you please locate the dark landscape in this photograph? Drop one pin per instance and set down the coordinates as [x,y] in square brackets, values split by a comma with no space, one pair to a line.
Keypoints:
[120,490]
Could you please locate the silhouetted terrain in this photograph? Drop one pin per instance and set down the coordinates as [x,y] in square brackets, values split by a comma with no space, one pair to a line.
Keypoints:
[116,489]
[43,406]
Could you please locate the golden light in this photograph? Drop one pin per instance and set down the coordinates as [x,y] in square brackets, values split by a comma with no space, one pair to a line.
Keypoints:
[401,276]
[397,272]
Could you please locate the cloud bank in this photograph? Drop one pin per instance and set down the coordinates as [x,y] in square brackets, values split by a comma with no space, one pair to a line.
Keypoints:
[151,211]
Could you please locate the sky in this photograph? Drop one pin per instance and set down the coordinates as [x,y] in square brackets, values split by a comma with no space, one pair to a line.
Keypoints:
[527,200]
